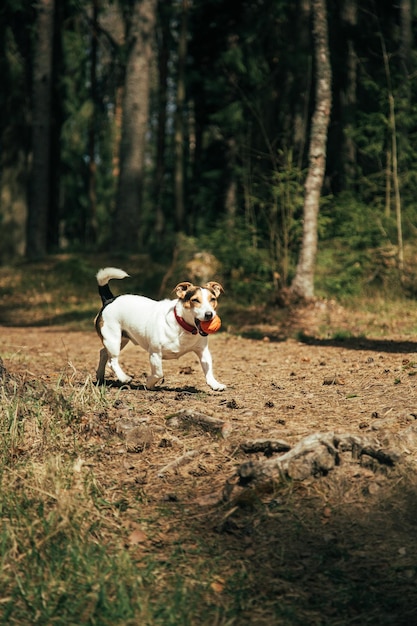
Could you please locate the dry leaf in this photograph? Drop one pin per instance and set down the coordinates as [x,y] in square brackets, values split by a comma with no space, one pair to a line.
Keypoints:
[336,380]
[136,536]
[218,585]
[327,512]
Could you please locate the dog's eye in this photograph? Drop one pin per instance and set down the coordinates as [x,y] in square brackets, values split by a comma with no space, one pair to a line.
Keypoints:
[195,300]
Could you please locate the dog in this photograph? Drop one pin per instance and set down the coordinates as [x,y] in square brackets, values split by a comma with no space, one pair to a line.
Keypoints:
[166,329]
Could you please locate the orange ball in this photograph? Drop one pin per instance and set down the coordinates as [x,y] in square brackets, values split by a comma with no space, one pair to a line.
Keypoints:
[212,325]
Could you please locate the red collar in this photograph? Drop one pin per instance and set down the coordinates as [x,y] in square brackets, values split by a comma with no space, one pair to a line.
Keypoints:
[185,325]
[188,327]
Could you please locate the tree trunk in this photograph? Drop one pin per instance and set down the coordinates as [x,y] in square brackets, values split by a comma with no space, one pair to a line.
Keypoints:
[406,23]
[394,156]
[303,283]
[55,184]
[179,119]
[134,125]
[39,193]
[348,94]
[302,80]
[405,100]
[90,233]
[164,13]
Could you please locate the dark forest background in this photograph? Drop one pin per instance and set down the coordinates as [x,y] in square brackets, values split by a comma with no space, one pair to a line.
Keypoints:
[174,127]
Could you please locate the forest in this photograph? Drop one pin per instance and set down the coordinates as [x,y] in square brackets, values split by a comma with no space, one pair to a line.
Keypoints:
[167,128]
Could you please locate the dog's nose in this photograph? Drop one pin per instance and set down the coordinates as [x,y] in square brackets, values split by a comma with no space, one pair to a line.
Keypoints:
[208,315]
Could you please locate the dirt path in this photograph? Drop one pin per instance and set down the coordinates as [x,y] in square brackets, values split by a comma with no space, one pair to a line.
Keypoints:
[286,389]
[294,387]
[356,523]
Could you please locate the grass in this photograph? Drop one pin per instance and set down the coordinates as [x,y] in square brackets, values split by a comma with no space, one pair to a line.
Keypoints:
[63,289]
[56,564]
[64,544]
[55,567]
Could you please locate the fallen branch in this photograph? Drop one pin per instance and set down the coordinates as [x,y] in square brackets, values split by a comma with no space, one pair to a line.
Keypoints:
[182,460]
[360,446]
[266,446]
[187,417]
[315,455]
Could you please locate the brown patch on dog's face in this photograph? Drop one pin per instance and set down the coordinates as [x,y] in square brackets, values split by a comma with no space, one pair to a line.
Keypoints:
[202,301]
[182,288]
[190,295]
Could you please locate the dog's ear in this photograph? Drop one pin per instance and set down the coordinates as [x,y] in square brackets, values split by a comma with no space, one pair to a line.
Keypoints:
[181,289]
[216,288]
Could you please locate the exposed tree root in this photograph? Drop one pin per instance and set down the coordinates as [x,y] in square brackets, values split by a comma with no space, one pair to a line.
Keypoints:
[189,417]
[319,453]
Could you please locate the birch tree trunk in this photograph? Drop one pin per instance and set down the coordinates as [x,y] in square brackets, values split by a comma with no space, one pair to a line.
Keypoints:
[39,192]
[303,283]
[140,46]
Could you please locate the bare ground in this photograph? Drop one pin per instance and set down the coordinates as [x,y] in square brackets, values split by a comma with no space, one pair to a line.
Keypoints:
[332,549]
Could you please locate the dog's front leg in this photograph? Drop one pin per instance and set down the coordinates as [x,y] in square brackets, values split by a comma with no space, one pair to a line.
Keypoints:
[157,373]
[207,365]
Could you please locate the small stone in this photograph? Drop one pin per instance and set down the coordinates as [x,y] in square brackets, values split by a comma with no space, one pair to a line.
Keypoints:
[138,438]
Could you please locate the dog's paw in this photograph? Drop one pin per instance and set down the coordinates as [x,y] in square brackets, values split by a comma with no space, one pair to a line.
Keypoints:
[125,380]
[217,386]
[153,381]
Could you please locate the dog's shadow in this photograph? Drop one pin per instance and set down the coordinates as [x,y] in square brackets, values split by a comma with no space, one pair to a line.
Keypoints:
[116,384]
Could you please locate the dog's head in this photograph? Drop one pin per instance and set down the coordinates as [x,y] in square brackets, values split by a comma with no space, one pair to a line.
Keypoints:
[200,301]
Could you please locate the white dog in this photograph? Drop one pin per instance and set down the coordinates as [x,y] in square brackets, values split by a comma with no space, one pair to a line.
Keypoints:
[166,329]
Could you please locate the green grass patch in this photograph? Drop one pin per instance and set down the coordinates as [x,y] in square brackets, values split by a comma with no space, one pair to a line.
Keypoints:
[64,524]
[58,565]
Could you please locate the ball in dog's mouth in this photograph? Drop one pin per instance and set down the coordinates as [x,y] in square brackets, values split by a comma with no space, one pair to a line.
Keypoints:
[211,326]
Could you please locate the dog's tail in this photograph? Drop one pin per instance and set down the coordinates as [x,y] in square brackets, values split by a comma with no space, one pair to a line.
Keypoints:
[103,276]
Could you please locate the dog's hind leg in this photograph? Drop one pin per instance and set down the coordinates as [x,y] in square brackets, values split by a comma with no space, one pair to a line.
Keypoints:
[101,366]
[110,355]
[114,362]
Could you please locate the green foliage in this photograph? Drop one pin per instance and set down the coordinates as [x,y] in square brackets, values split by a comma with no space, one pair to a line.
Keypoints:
[55,568]
[356,223]
[249,99]
[356,249]
[245,265]
[75,270]
[278,202]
